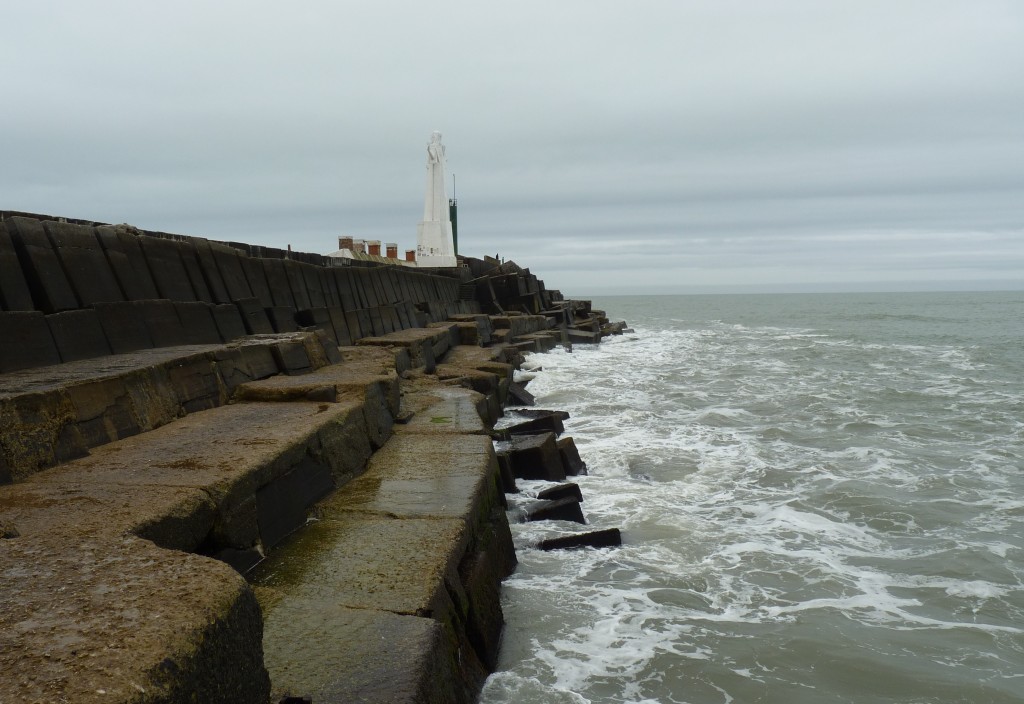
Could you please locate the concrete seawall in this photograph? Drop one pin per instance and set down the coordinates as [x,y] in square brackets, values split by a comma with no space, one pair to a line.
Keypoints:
[231,476]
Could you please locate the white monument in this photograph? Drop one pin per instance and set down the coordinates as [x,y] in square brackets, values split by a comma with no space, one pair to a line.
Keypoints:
[435,245]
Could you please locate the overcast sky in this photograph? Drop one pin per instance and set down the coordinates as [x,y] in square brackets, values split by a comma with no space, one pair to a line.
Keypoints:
[671,145]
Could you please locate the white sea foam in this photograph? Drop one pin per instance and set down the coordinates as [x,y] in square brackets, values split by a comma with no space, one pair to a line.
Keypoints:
[790,497]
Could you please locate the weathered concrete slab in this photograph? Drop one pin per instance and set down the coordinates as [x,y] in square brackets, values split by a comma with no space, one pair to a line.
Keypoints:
[368,378]
[52,414]
[371,562]
[338,655]
[125,621]
[444,410]
[424,344]
[421,476]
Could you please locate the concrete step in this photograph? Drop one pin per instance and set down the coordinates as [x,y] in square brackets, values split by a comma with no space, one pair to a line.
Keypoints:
[392,595]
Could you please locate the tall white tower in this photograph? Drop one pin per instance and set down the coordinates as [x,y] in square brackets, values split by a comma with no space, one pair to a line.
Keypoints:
[435,245]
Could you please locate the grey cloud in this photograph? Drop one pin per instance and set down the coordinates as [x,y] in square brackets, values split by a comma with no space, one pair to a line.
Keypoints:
[734,142]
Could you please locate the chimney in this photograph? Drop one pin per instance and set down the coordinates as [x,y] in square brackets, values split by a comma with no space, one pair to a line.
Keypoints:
[359,246]
[392,249]
[345,243]
[374,246]
[410,255]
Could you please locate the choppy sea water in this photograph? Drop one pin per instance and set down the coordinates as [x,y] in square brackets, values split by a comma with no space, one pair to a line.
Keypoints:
[822,499]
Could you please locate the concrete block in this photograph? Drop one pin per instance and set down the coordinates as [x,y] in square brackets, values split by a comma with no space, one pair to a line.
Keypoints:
[283,318]
[127,261]
[162,322]
[329,286]
[567,509]
[254,316]
[256,275]
[365,322]
[534,457]
[197,321]
[562,491]
[611,537]
[194,269]
[14,291]
[292,357]
[196,384]
[228,260]
[343,279]
[241,363]
[168,269]
[277,280]
[364,285]
[211,273]
[340,323]
[363,662]
[354,325]
[314,287]
[124,326]
[571,457]
[297,282]
[25,341]
[78,334]
[316,317]
[229,322]
[43,272]
[542,424]
[519,395]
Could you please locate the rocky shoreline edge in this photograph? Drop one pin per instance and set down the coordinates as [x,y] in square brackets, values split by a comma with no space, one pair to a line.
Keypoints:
[311,510]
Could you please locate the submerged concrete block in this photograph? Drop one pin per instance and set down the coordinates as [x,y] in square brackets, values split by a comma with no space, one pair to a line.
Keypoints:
[562,491]
[534,457]
[566,509]
[571,457]
[541,424]
[611,537]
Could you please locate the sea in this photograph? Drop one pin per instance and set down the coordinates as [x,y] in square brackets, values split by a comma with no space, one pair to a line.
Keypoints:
[821,498]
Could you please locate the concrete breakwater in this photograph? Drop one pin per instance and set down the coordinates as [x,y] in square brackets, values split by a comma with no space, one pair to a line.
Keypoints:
[177,413]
